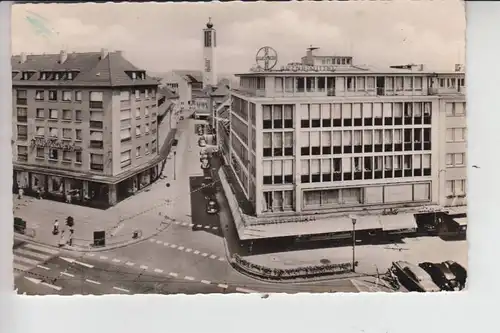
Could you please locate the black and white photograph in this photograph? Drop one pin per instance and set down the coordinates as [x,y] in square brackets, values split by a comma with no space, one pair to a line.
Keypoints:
[235,148]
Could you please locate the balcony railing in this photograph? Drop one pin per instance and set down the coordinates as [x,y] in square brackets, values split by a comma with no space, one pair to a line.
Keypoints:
[97,166]
[22,137]
[22,101]
[95,104]
[22,157]
[96,144]
[96,124]
[22,119]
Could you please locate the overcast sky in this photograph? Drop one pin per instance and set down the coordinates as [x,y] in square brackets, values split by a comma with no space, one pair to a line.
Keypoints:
[161,37]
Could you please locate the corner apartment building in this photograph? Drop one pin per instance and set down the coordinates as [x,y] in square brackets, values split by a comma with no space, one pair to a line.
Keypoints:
[84,127]
[326,136]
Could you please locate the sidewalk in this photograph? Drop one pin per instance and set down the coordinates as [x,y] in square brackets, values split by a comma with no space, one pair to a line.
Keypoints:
[144,211]
[370,257]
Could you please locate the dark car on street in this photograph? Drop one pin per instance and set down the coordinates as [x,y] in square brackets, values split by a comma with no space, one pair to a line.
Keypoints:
[413,277]
[205,164]
[441,275]
[212,206]
[459,271]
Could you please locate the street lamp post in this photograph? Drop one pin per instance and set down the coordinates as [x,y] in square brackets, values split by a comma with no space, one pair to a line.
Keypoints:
[354,220]
[175,153]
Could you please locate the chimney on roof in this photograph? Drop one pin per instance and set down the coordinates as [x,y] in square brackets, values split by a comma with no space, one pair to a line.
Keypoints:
[63,56]
[24,57]
[104,53]
[420,67]
[120,53]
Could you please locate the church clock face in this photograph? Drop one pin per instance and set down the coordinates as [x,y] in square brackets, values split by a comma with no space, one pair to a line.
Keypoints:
[208,67]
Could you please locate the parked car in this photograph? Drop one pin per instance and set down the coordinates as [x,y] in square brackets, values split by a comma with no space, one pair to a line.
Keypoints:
[202,142]
[212,207]
[19,225]
[181,118]
[413,278]
[441,275]
[459,271]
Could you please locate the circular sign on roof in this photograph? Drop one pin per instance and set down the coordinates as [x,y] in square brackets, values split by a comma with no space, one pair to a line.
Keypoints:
[266,58]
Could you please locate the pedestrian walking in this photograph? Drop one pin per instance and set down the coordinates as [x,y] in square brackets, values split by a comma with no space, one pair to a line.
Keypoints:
[62,239]
[38,193]
[20,193]
[55,229]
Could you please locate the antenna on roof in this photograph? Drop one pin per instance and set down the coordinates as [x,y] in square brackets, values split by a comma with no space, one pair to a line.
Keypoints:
[312,48]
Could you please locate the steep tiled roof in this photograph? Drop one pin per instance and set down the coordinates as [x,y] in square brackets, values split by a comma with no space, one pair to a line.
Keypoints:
[167,93]
[222,90]
[93,71]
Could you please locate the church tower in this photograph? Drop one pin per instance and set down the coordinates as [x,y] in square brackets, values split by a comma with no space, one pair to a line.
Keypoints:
[209,61]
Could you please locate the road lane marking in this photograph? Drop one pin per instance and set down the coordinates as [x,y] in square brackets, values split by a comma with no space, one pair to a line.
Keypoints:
[20,267]
[173,274]
[191,225]
[90,254]
[196,252]
[51,286]
[26,260]
[152,240]
[184,224]
[189,250]
[207,227]
[213,257]
[129,263]
[190,278]
[31,254]
[215,228]
[166,243]
[205,282]
[71,261]
[41,248]
[143,267]
[222,259]
[180,248]
[43,267]
[159,242]
[244,290]
[121,289]
[204,254]
[199,226]
[67,274]
[222,285]
[92,281]
[116,260]
[177,222]
[35,281]
[103,257]
[173,246]
[157,270]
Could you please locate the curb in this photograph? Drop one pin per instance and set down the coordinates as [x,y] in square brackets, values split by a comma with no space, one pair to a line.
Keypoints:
[84,249]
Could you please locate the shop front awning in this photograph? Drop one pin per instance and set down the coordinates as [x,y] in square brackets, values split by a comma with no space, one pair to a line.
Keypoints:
[398,222]
[462,221]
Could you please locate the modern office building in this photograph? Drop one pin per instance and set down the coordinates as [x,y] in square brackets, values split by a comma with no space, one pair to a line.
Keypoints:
[326,139]
[84,127]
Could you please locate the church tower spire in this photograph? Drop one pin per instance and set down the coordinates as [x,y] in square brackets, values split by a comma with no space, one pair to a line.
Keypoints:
[209,48]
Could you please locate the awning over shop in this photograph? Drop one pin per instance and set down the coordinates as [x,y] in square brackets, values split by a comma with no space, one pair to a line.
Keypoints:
[457,210]
[398,222]
[460,220]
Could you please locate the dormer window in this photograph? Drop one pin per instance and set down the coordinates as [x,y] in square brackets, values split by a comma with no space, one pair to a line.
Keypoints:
[146,93]
[70,76]
[134,75]
[26,76]
[14,73]
[43,76]
[143,76]
[57,76]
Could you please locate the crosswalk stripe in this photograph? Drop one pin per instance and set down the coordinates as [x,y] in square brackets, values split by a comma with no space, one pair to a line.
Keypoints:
[243,290]
[213,257]
[67,274]
[116,260]
[152,240]
[157,270]
[205,282]
[190,278]
[143,267]
[43,267]
[173,274]
[41,248]
[222,259]
[189,250]
[204,254]
[51,286]
[26,260]
[31,254]
[180,248]
[121,289]
[222,285]
[92,281]
[20,267]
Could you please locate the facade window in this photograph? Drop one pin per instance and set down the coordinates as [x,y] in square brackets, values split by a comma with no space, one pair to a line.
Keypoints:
[456,188]
[53,114]
[78,134]
[138,130]
[125,95]
[66,96]
[21,97]
[78,96]
[54,132]
[153,146]
[138,113]
[146,129]
[52,95]
[66,156]
[67,133]
[138,152]
[40,153]
[39,95]
[67,115]
[126,134]
[96,99]
[78,115]
[40,131]
[455,135]
[40,113]
[22,153]
[97,162]
[78,157]
[53,154]
[146,111]
[278,84]
[457,159]
[125,158]
[146,148]
[137,94]
[22,115]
